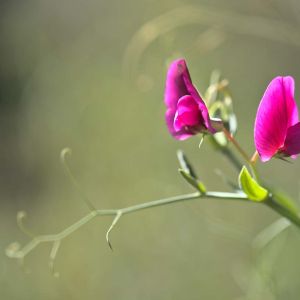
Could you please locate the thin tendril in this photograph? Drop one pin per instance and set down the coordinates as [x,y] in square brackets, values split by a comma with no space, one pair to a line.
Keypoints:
[113,224]
[63,154]
[15,251]
[21,215]
[52,257]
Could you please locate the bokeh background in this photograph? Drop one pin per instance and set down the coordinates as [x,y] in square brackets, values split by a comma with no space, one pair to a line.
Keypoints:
[90,75]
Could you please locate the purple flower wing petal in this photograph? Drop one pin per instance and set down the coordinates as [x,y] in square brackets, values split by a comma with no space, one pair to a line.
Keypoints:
[182,135]
[292,141]
[179,84]
[188,113]
[276,110]
[179,135]
[187,103]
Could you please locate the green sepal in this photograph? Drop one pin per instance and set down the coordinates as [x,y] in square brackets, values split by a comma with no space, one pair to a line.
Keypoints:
[250,187]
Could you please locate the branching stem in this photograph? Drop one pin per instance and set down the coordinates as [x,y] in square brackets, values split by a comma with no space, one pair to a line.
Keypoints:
[14,252]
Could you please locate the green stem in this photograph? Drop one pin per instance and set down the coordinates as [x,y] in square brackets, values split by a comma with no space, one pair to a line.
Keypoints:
[15,252]
[21,253]
[216,195]
[284,211]
[230,138]
[232,158]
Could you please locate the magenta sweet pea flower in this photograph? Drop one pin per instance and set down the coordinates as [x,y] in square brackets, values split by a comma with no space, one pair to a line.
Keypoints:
[277,127]
[186,113]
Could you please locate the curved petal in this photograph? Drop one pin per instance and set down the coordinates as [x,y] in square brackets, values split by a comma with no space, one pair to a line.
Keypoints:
[175,85]
[179,84]
[181,134]
[276,111]
[292,141]
[170,115]
[187,103]
[202,106]
[291,106]
[188,113]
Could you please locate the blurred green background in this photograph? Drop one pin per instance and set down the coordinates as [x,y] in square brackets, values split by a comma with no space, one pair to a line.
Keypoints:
[90,75]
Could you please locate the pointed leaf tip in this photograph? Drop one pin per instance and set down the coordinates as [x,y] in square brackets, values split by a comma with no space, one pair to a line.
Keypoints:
[250,187]
[198,185]
[185,164]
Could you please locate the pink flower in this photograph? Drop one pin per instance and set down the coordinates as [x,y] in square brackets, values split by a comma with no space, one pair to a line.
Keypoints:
[186,113]
[277,127]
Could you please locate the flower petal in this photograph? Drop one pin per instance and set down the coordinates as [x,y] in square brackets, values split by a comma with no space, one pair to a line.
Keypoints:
[175,85]
[179,135]
[292,110]
[178,84]
[292,141]
[187,103]
[170,115]
[188,113]
[202,106]
[276,111]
